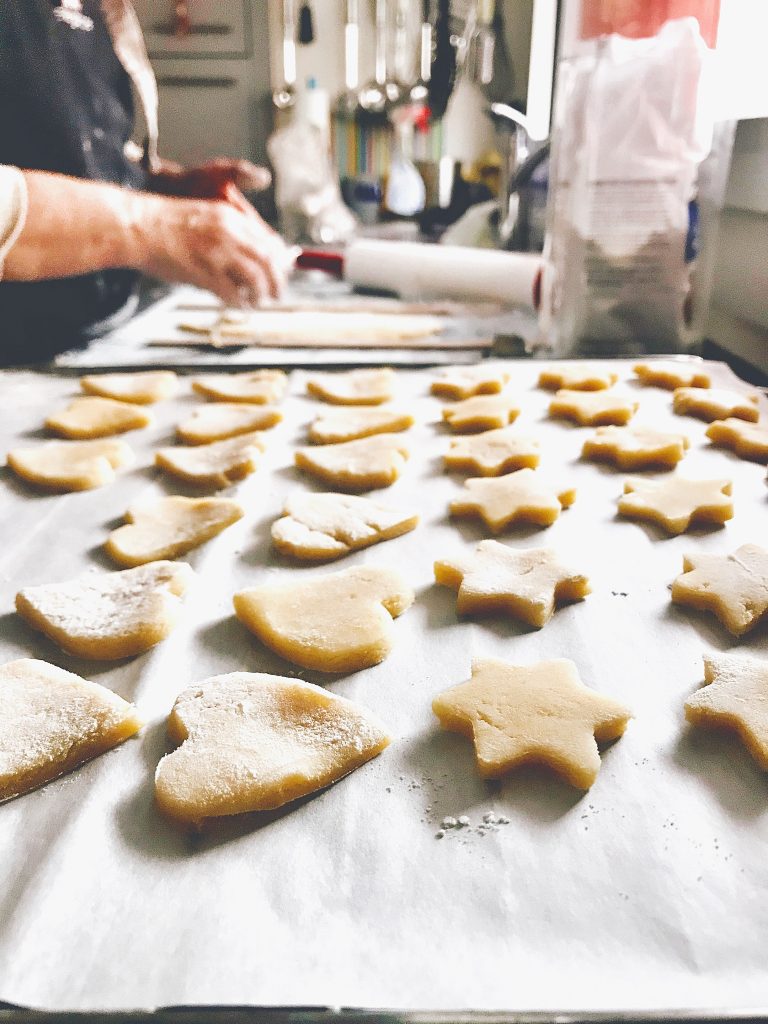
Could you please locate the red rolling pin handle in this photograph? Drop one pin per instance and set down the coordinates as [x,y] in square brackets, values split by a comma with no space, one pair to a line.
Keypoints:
[331,262]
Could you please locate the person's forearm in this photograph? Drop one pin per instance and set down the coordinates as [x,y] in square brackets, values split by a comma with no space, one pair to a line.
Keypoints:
[76,227]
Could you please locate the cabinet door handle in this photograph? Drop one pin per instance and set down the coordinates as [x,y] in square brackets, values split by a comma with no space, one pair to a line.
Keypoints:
[211,28]
[196,82]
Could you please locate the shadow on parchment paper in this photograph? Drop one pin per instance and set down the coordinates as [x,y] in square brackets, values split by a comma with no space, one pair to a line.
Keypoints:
[658,533]
[38,434]
[258,551]
[147,830]
[22,489]
[719,760]
[456,788]
[438,603]
[472,529]
[706,625]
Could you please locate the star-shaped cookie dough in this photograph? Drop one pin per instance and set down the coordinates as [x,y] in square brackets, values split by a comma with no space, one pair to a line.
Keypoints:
[575,377]
[734,695]
[537,714]
[671,375]
[523,583]
[492,453]
[457,382]
[715,404]
[733,587]
[485,412]
[592,408]
[747,440]
[635,447]
[523,496]
[677,503]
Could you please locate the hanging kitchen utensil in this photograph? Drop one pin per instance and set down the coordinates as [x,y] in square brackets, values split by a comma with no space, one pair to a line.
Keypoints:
[347,101]
[373,95]
[443,74]
[306,24]
[420,89]
[285,95]
[481,45]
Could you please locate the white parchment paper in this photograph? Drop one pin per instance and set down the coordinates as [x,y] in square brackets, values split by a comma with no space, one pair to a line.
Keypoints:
[649,891]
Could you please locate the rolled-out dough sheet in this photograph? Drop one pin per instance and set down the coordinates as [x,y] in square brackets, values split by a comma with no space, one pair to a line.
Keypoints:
[645,893]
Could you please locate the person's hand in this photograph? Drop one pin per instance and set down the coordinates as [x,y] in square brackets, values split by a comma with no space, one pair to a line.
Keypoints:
[218,245]
[209,180]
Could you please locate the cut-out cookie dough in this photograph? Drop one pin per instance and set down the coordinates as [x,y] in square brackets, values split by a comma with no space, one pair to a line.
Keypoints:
[353,387]
[492,453]
[258,387]
[536,714]
[71,465]
[222,420]
[671,375]
[362,465]
[526,584]
[677,503]
[523,496]
[319,527]
[140,388]
[109,615]
[577,378]
[485,412]
[593,408]
[90,417]
[169,527]
[459,382]
[631,448]
[339,425]
[340,622]
[734,696]
[747,440]
[51,721]
[715,404]
[733,587]
[254,742]
[213,465]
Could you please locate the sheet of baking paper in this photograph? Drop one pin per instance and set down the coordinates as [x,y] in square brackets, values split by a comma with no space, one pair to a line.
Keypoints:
[649,891]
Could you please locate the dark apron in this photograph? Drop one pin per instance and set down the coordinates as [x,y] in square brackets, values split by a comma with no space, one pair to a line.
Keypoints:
[65,106]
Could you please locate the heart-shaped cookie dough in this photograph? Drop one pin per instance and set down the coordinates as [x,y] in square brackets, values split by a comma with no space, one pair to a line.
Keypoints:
[254,742]
[109,615]
[51,721]
[353,387]
[89,416]
[221,420]
[260,387]
[212,465]
[341,622]
[141,388]
[70,465]
[338,425]
[169,527]
[362,465]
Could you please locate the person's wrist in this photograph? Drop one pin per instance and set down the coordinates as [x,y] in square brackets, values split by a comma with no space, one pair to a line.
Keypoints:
[141,217]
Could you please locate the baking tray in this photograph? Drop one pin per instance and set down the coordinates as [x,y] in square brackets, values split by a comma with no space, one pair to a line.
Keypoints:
[640,900]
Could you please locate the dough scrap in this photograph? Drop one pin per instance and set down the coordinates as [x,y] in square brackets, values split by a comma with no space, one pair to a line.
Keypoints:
[525,584]
[222,420]
[671,375]
[677,503]
[520,497]
[631,448]
[732,587]
[141,388]
[71,465]
[319,527]
[51,721]
[536,714]
[592,408]
[254,742]
[734,695]
[362,465]
[258,387]
[89,417]
[340,622]
[747,440]
[353,387]
[485,412]
[110,615]
[577,378]
[169,527]
[218,464]
[338,425]
[715,404]
[459,382]
[492,453]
